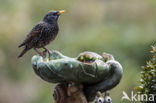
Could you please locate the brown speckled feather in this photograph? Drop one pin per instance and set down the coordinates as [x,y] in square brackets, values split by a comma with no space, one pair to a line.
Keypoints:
[42,34]
[34,32]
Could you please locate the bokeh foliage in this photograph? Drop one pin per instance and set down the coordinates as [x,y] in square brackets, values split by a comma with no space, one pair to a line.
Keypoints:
[124,28]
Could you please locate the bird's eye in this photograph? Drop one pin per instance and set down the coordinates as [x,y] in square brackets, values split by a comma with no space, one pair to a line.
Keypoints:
[108,99]
[100,100]
[55,13]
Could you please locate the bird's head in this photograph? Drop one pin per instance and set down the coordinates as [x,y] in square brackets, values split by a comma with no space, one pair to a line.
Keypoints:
[52,16]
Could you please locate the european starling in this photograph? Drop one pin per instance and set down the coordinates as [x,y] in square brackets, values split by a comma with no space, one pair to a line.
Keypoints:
[42,34]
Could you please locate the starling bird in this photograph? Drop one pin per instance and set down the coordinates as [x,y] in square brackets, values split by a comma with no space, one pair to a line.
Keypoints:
[42,34]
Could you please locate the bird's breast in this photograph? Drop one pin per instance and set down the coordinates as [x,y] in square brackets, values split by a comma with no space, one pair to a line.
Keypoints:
[50,34]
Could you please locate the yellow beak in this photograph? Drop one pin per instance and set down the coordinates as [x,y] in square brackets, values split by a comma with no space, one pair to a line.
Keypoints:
[60,12]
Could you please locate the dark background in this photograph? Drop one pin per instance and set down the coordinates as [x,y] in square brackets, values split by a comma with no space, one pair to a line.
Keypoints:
[124,28]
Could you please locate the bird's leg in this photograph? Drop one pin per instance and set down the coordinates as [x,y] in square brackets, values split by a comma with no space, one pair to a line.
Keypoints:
[40,53]
[46,50]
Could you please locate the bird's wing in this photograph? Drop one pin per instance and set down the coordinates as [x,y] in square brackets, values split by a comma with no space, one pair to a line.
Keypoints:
[34,32]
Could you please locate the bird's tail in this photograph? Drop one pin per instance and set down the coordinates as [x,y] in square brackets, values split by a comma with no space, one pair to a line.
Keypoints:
[23,52]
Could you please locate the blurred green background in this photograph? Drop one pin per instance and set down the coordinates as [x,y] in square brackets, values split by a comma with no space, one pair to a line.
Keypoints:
[124,28]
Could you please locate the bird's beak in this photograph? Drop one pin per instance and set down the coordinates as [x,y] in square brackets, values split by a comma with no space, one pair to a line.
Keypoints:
[60,12]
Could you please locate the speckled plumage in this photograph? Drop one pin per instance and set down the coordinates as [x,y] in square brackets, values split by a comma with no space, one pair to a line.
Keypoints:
[42,34]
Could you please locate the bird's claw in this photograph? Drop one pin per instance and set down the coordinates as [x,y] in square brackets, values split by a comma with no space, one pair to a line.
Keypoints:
[49,53]
[46,51]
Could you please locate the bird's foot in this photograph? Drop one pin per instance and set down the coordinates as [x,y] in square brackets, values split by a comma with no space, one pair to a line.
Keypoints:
[47,51]
[40,53]
[44,52]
